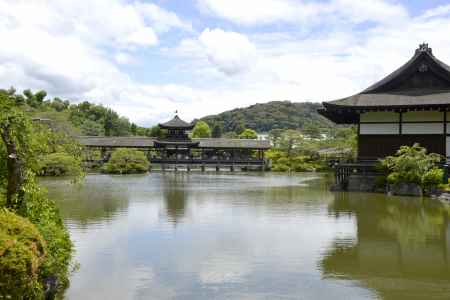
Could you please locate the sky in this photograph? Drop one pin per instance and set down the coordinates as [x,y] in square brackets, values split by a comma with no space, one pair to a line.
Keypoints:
[147,59]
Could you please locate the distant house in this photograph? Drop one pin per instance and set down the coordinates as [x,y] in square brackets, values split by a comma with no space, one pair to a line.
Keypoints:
[411,105]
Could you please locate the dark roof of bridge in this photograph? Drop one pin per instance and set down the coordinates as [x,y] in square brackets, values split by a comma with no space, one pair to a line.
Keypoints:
[176,122]
[148,142]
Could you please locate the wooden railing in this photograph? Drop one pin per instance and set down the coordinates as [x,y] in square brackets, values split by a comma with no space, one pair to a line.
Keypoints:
[196,161]
[344,170]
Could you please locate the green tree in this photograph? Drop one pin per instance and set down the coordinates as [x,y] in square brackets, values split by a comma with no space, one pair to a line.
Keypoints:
[217,131]
[290,140]
[275,136]
[239,127]
[127,161]
[412,164]
[133,129]
[248,134]
[201,130]
[109,122]
[92,128]
[21,145]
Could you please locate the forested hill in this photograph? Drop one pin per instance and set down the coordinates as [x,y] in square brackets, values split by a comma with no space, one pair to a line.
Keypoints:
[264,117]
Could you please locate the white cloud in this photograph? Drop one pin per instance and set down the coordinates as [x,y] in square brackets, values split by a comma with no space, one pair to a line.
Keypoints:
[230,52]
[143,37]
[78,49]
[257,12]
[162,19]
[123,58]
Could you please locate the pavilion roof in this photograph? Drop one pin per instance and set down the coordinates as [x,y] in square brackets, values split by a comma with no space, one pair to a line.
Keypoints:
[176,123]
[421,83]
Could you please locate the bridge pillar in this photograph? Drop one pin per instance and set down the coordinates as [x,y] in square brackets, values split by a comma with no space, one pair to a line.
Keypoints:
[217,168]
[232,168]
[176,168]
[188,167]
[202,167]
[163,167]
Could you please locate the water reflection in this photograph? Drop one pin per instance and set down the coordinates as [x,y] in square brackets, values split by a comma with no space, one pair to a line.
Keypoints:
[92,202]
[175,196]
[402,249]
[250,236]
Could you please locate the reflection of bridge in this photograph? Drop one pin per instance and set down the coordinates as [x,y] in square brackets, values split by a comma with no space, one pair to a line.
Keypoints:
[212,153]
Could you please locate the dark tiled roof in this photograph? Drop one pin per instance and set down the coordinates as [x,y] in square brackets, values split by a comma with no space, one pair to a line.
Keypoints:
[233,143]
[110,141]
[398,89]
[176,122]
[147,142]
[376,100]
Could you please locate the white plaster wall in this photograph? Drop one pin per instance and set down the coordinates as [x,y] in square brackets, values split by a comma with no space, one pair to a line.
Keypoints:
[417,116]
[381,116]
[379,128]
[422,128]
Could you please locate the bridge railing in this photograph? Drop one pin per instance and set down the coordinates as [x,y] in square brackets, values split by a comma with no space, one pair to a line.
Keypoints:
[207,161]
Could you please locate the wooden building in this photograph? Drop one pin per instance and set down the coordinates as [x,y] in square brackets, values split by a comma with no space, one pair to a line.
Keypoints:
[411,105]
[177,150]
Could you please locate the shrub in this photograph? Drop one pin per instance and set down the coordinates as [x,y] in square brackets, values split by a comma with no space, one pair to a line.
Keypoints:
[413,165]
[43,213]
[281,168]
[127,161]
[59,164]
[22,254]
[432,178]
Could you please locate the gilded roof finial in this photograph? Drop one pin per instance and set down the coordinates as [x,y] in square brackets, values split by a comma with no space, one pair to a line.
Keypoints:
[424,48]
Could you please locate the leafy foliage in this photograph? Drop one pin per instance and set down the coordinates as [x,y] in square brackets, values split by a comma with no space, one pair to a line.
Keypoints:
[412,164]
[22,145]
[43,212]
[127,161]
[272,115]
[201,130]
[22,254]
[217,131]
[248,134]
[295,151]
[59,164]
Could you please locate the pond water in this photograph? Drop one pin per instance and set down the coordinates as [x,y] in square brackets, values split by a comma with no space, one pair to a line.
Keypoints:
[250,236]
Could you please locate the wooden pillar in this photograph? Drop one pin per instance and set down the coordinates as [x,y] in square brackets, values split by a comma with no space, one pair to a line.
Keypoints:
[445,134]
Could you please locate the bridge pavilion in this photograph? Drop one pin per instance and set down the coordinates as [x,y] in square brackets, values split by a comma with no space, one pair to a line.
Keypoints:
[177,150]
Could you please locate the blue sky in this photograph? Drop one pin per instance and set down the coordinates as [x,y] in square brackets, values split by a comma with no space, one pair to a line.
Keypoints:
[147,59]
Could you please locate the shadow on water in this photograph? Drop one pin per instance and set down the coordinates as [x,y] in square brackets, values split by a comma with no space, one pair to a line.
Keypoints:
[402,249]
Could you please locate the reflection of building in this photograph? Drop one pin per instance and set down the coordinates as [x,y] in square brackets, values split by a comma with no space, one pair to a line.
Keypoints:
[177,149]
[402,248]
[175,197]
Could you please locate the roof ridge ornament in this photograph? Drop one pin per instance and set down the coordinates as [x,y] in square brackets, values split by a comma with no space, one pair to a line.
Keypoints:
[424,48]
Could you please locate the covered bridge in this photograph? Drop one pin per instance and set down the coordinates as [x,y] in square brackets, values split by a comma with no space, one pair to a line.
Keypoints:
[176,149]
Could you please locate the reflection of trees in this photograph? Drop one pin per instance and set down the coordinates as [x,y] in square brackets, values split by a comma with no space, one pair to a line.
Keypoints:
[402,249]
[175,196]
[88,202]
